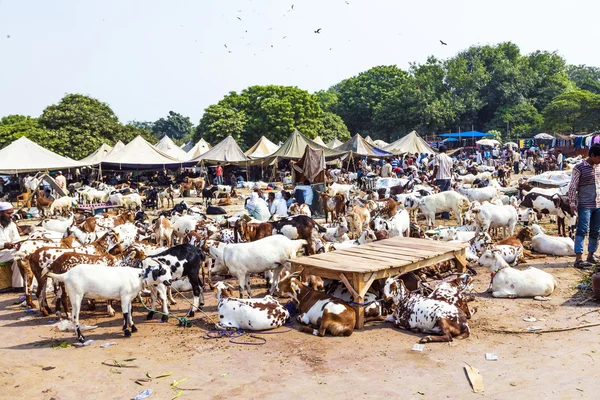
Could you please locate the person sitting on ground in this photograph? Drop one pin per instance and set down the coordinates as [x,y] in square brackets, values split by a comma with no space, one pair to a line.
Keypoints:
[257,208]
[279,206]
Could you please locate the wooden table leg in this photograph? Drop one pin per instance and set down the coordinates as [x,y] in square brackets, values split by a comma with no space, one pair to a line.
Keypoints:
[359,285]
[461,261]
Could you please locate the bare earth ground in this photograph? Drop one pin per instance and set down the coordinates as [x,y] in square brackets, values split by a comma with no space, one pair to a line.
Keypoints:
[372,363]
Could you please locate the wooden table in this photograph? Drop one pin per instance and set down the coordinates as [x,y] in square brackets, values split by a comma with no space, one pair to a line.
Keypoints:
[359,266]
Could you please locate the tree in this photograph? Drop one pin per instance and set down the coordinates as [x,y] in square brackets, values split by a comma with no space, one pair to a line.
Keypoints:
[13,127]
[573,111]
[176,126]
[522,118]
[548,78]
[586,78]
[82,123]
[359,96]
[218,122]
[328,100]
[143,125]
[400,112]
[273,111]
[333,127]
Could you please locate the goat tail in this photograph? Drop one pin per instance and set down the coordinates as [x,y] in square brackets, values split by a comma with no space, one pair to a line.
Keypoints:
[58,277]
[321,228]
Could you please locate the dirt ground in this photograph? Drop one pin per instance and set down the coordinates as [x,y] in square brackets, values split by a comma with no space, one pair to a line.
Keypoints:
[374,362]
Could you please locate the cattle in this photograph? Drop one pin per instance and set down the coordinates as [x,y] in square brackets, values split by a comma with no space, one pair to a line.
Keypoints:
[183,260]
[317,309]
[248,314]
[416,312]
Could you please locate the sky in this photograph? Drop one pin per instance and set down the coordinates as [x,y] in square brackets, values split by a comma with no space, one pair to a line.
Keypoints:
[145,58]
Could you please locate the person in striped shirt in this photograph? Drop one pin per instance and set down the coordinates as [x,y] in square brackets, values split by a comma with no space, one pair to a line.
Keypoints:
[584,199]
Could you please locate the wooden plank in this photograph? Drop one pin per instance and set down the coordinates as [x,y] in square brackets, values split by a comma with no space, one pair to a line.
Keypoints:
[370,254]
[391,253]
[423,246]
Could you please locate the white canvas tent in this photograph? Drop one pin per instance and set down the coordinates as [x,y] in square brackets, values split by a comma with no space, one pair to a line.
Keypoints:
[23,155]
[97,156]
[226,152]
[264,147]
[117,147]
[198,149]
[319,141]
[335,143]
[411,144]
[166,145]
[139,154]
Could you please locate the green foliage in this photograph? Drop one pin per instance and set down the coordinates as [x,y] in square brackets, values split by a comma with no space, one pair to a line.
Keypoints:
[176,126]
[272,111]
[333,127]
[81,124]
[586,78]
[220,121]
[12,127]
[328,100]
[573,111]
[522,119]
[359,96]
[143,125]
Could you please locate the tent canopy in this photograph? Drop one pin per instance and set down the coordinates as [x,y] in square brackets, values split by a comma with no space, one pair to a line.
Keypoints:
[226,152]
[311,166]
[358,145]
[166,145]
[466,135]
[97,156]
[380,143]
[262,148]
[23,155]
[117,147]
[294,148]
[370,141]
[335,143]
[320,141]
[543,136]
[411,144]
[198,149]
[139,154]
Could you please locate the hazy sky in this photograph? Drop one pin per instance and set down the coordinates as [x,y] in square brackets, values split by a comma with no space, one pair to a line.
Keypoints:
[147,57]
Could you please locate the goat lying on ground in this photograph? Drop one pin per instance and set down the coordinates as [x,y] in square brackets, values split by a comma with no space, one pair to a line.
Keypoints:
[510,282]
[318,309]
[249,314]
[416,312]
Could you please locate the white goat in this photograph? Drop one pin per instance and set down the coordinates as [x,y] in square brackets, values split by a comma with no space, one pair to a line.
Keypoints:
[551,245]
[510,282]
[100,282]
[58,225]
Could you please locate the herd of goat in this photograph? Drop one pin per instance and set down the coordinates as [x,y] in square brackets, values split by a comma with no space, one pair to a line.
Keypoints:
[182,248]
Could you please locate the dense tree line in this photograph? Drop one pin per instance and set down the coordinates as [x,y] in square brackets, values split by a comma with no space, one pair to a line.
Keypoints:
[487,88]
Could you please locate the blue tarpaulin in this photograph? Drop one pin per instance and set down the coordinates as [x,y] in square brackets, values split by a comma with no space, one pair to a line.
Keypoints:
[466,135]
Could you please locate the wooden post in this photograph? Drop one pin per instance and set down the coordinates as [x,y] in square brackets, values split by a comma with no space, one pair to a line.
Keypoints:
[359,286]
[461,261]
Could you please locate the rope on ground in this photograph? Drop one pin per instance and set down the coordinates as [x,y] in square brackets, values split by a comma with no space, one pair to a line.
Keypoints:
[508,331]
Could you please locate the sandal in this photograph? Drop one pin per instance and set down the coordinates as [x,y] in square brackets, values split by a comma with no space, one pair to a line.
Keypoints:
[581,264]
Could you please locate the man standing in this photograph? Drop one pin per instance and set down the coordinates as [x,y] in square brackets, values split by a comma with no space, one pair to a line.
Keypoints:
[516,156]
[61,181]
[559,160]
[9,234]
[219,174]
[442,173]
[584,199]
[386,170]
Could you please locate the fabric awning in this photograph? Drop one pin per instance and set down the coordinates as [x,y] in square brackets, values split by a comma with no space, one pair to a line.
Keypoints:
[23,155]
